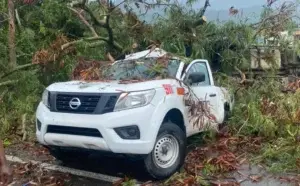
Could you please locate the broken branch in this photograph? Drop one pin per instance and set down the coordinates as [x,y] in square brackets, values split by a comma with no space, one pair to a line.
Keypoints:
[82,18]
[102,23]
[18,68]
[97,22]
[201,14]
[67,45]
[9,82]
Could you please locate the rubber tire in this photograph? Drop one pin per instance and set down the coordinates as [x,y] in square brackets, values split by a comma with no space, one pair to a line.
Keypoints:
[226,116]
[67,155]
[226,113]
[223,127]
[162,173]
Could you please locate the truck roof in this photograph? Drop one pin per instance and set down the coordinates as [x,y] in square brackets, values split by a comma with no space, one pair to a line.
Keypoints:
[157,52]
[150,53]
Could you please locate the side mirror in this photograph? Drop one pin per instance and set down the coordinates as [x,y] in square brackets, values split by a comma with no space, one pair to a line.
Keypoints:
[196,77]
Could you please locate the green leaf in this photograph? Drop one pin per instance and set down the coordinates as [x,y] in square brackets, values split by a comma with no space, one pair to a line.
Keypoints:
[42,28]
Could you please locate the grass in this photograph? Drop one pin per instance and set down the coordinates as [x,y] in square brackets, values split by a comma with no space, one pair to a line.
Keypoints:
[280,156]
[263,110]
[6,142]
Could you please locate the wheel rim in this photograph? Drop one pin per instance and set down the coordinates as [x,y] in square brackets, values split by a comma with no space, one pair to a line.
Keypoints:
[166,151]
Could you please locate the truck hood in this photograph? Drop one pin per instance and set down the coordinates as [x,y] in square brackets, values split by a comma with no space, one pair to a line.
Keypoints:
[107,87]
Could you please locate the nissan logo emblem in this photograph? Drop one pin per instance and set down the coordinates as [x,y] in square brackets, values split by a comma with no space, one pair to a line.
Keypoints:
[74,103]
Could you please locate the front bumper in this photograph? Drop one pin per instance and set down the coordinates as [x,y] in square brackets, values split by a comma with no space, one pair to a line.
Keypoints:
[105,123]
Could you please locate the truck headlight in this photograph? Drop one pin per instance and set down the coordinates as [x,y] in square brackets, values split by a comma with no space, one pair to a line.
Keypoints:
[134,99]
[45,98]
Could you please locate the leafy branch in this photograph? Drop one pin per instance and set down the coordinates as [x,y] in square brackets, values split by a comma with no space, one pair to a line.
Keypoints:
[101,23]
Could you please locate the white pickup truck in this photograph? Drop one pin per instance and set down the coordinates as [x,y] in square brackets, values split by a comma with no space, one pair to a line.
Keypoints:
[148,118]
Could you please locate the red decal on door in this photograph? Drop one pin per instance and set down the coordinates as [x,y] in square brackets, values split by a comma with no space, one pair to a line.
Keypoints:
[168,89]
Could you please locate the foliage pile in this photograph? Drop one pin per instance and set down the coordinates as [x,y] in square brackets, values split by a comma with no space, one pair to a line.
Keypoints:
[204,165]
[89,70]
[264,129]
[55,38]
[53,53]
[292,86]
[264,110]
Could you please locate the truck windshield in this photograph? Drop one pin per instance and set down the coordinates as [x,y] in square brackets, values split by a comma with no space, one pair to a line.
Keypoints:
[147,68]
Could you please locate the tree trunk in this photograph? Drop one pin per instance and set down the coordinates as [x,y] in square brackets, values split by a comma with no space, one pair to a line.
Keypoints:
[200,20]
[11,35]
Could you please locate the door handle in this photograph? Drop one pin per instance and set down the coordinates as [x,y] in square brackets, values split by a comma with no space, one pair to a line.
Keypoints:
[212,95]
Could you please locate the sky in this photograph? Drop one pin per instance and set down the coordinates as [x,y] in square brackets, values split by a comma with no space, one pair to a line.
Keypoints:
[219,8]
[226,4]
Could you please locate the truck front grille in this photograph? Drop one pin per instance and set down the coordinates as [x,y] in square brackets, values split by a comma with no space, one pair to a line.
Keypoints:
[74,131]
[88,103]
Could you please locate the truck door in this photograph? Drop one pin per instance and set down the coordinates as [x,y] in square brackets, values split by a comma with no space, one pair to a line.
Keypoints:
[205,92]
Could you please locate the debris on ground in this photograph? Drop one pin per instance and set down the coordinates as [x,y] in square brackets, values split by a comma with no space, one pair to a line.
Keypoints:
[30,174]
[212,162]
[224,155]
[124,181]
[290,179]
[29,151]
[255,178]
[292,86]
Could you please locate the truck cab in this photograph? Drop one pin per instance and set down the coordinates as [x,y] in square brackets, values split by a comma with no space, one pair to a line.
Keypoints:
[149,117]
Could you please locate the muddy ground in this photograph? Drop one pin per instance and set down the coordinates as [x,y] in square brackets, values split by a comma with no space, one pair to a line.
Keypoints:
[96,162]
[242,174]
[29,175]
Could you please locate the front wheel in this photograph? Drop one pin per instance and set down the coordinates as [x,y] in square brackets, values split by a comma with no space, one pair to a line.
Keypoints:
[168,153]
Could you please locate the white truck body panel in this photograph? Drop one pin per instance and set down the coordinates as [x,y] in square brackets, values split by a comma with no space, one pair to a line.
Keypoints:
[148,118]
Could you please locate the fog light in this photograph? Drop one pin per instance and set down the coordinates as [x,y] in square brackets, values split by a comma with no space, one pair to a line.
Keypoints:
[38,125]
[132,132]
[128,132]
